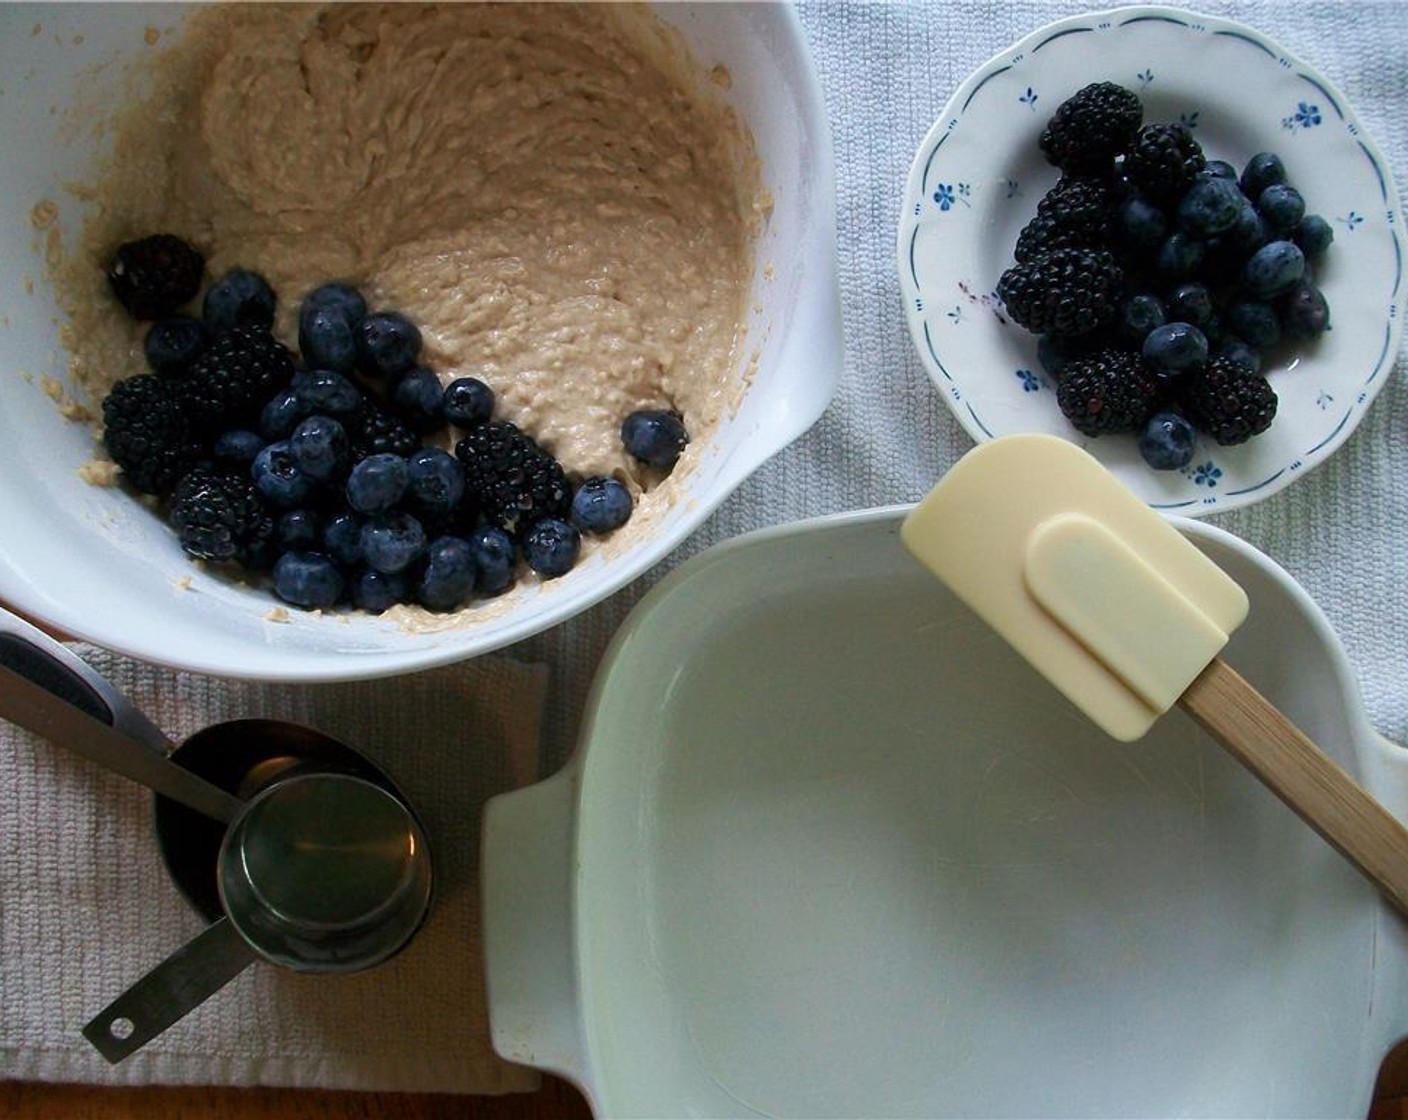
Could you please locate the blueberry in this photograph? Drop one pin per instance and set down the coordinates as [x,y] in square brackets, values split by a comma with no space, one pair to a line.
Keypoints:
[1255,322]
[377,483]
[1191,302]
[240,298]
[1218,169]
[281,415]
[1248,233]
[299,530]
[1313,234]
[655,436]
[342,538]
[1305,315]
[1209,207]
[279,478]
[173,344]
[436,480]
[495,558]
[467,402]
[448,576]
[392,542]
[550,547]
[1273,268]
[1139,223]
[375,592]
[1166,443]
[1175,348]
[320,447]
[326,391]
[307,579]
[338,297]
[237,447]
[1179,255]
[387,344]
[1261,171]
[1235,350]
[601,505]
[1140,314]
[420,399]
[1281,206]
[327,340]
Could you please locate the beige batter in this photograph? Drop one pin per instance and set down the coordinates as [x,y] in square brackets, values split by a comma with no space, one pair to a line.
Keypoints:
[557,196]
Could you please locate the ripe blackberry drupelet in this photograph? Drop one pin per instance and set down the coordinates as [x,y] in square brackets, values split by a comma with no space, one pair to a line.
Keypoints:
[1108,391]
[1074,214]
[1067,292]
[1228,401]
[1091,127]
[231,382]
[1164,161]
[375,431]
[155,275]
[513,481]
[147,434]
[218,515]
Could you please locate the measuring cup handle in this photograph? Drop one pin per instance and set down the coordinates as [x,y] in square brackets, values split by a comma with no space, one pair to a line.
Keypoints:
[33,654]
[527,857]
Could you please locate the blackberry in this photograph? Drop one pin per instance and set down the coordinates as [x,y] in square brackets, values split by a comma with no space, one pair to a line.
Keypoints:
[1074,214]
[155,275]
[513,481]
[231,382]
[1228,401]
[1066,292]
[1091,127]
[374,431]
[147,434]
[1108,391]
[1164,161]
[219,515]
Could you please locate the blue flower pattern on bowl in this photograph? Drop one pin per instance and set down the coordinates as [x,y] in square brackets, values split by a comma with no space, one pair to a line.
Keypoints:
[1305,116]
[1205,474]
[1031,383]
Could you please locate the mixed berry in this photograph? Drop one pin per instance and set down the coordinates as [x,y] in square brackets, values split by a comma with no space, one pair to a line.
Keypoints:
[1159,280]
[345,473]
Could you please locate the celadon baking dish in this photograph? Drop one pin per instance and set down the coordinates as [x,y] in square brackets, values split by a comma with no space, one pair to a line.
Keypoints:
[829,848]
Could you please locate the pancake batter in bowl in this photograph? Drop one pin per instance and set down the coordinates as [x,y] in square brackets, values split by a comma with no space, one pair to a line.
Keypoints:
[554,194]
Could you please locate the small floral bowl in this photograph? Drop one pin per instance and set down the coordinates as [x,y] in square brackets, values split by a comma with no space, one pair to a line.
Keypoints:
[979,173]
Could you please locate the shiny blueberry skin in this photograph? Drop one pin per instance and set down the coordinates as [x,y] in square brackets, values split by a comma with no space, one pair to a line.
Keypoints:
[1273,268]
[1139,315]
[1261,171]
[420,399]
[375,592]
[1218,169]
[655,436]
[387,344]
[467,401]
[1254,321]
[1248,232]
[392,542]
[237,447]
[601,505]
[1281,206]
[436,480]
[299,530]
[377,483]
[448,576]
[307,579]
[335,296]
[320,447]
[326,391]
[495,558]
[281,415]
[240,298]
[1191,302]
[1139,223]
[1313,234]
[551,546]
[342,538]
[1167,441]
[1179,255]
[171,345]
[327,340]
[278,477]
[1175,348]
[1235,350]
[1305,315]
[1209,207]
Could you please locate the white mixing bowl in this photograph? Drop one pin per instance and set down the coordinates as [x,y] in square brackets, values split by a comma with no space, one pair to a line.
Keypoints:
[93,562]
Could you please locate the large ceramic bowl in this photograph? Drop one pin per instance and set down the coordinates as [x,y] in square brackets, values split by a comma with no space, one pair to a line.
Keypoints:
[92,562]
[979,173]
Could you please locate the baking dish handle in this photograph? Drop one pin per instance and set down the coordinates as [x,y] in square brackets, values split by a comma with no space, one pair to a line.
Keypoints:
[530,972]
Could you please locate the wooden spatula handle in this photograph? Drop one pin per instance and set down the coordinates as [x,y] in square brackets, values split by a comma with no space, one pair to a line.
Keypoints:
[1285,759]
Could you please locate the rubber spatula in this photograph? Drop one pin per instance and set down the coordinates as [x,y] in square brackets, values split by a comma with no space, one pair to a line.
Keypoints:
[1126,617]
